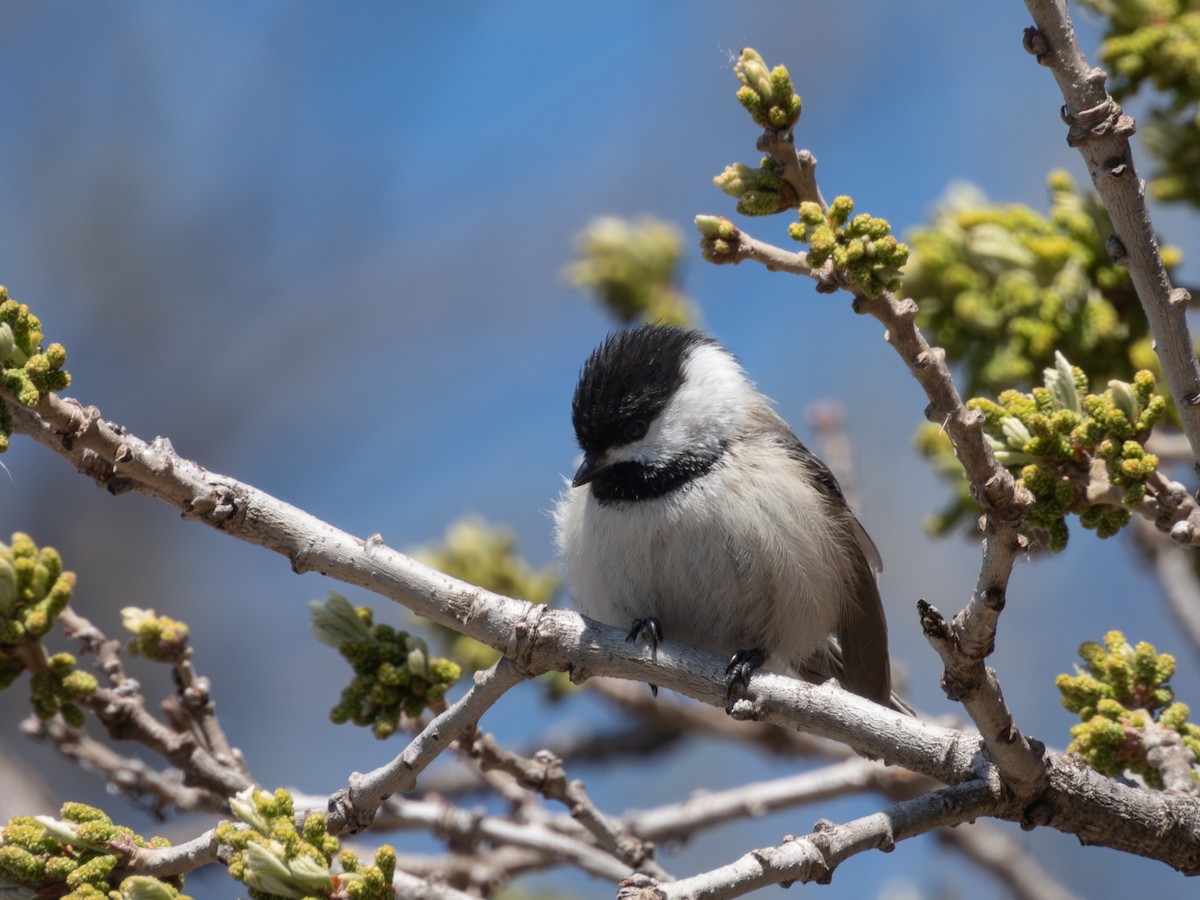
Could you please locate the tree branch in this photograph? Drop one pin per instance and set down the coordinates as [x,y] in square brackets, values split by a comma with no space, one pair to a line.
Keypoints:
[707,810]
[816,856]
[353,808]
[544,773]
[1174,567]
[1100,131]
[126,775]
[1074,799]
[121,708]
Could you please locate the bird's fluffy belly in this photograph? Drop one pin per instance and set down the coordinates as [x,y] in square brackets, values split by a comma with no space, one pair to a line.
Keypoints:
[718,578]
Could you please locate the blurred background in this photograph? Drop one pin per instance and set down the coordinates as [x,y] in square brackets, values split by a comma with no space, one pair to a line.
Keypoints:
[321,247]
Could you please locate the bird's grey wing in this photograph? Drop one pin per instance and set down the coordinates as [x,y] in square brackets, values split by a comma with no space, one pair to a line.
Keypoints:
[862,638]
[828,663]
[824,480]
[860,655]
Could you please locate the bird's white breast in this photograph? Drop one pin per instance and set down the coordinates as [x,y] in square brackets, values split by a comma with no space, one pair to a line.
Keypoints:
[735,560]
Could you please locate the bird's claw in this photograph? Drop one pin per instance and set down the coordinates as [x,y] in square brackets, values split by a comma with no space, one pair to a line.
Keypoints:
[741,666]
[650,631]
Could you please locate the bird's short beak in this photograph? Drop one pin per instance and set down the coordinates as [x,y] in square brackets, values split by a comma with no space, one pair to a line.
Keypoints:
[590,468]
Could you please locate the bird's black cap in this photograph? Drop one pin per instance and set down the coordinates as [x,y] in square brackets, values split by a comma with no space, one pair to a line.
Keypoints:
[626,382]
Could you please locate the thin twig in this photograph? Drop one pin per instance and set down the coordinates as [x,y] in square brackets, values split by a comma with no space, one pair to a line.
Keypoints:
[129,776]
[798,168]
[121,708]
[643,739]
[353,808]
[470,830]
[1175,568]
[480,872]
[544,773]
[194,694]
[709,809]
[410,886]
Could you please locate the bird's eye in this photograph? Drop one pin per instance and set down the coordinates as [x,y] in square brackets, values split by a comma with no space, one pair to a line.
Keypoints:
[636,430]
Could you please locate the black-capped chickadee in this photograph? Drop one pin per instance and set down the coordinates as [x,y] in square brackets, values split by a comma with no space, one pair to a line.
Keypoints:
[699,516]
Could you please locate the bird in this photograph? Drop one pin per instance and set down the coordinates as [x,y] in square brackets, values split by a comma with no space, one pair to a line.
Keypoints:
[697,515]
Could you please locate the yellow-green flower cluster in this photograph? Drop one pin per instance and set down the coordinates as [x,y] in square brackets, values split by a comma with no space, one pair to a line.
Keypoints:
[759,192]
[1119,692]
[75,857]
[1049,437]
[485,555]
[1159,42]
[394,674]
[26,369]
[34,589]
[271,857]
[632,267]
[766,94]
[863,246]
[58,688]
[154,636]
[373,882]
[276,861]
[1000,288]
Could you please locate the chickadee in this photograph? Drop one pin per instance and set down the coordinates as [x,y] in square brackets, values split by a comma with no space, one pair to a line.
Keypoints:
[699,516]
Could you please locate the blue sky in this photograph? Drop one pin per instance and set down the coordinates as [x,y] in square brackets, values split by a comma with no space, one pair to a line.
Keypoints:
[320,248]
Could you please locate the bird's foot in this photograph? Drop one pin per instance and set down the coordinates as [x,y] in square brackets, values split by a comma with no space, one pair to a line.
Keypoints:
[741,666]
[647,630]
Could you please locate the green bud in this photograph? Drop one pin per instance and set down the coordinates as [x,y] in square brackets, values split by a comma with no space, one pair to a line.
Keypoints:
[417,662]
[715,226]
[143,887]
[80,684]
[1124,398]
[1015,432]
[63,832]
[266,872]
[751,71]
[735,180]
[8,587]
[95,871]
[312,876]
[245,806]
[1060,381]
[335,622]
[20,864]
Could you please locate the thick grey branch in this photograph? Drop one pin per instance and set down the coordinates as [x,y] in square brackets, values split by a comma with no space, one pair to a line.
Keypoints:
[1100,131]
[815,856]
